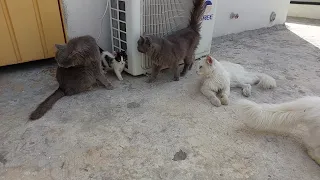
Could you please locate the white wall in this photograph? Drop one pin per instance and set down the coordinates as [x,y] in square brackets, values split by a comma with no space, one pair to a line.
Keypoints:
[253,14]
[83,17]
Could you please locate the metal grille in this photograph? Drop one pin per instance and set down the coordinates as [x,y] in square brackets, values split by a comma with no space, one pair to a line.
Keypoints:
[161,17]
[118,25]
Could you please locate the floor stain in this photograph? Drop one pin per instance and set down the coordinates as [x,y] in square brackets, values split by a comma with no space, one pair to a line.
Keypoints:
[3,160]
[180,156]
[133,105]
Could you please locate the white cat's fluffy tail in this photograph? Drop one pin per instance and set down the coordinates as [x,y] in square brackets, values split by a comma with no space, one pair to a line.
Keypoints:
[278,117]
[266,81]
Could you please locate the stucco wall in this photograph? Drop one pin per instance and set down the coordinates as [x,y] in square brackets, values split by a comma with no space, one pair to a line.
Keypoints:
[83,17]
[253,14]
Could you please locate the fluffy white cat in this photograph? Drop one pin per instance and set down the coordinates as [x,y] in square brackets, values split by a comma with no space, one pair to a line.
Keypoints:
[282,117]
[115,61]
[218,77]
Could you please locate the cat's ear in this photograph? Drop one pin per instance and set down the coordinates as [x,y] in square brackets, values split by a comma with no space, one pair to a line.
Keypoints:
[148,41]
[142,38]
[209,60]
[60,46]
[115,53]
[124,54]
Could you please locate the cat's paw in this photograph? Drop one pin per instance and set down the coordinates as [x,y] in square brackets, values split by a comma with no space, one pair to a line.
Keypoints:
[311,153]
[215,102]
[224,100]
[176,78]
[120,79]
[183,73]
[246,91]
[109,87]
[151,80]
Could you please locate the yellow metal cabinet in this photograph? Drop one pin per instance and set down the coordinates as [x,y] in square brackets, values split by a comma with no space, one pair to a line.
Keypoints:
[29,29]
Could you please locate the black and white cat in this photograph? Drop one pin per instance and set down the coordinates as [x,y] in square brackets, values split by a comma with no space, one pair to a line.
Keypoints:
[115,61]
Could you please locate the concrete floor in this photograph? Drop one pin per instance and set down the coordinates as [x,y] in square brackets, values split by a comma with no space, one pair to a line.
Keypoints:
[134,131]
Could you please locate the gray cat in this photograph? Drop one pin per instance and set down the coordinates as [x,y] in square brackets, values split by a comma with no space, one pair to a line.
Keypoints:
[79,69]
[180,45]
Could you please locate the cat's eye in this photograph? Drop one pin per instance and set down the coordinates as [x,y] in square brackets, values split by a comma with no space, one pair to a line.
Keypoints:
[200,67]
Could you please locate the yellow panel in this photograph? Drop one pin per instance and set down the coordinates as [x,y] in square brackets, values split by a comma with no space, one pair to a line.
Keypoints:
[51,25]
[7,53]
[24,21]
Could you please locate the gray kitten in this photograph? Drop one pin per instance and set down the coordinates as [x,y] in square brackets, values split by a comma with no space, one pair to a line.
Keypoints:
[180,45]
[79,69]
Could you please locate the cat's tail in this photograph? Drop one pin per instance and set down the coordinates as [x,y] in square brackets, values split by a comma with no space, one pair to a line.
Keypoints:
[279,117]
[47,104]
[196,15]
[266,81]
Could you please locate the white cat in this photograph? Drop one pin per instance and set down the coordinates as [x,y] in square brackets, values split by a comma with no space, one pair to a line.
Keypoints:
[280,117]
[218,77]
[115,61]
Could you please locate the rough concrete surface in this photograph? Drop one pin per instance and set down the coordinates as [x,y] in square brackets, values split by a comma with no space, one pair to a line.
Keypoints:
[135,131]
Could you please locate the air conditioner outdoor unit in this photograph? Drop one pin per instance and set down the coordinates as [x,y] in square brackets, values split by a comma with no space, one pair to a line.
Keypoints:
[131,18]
